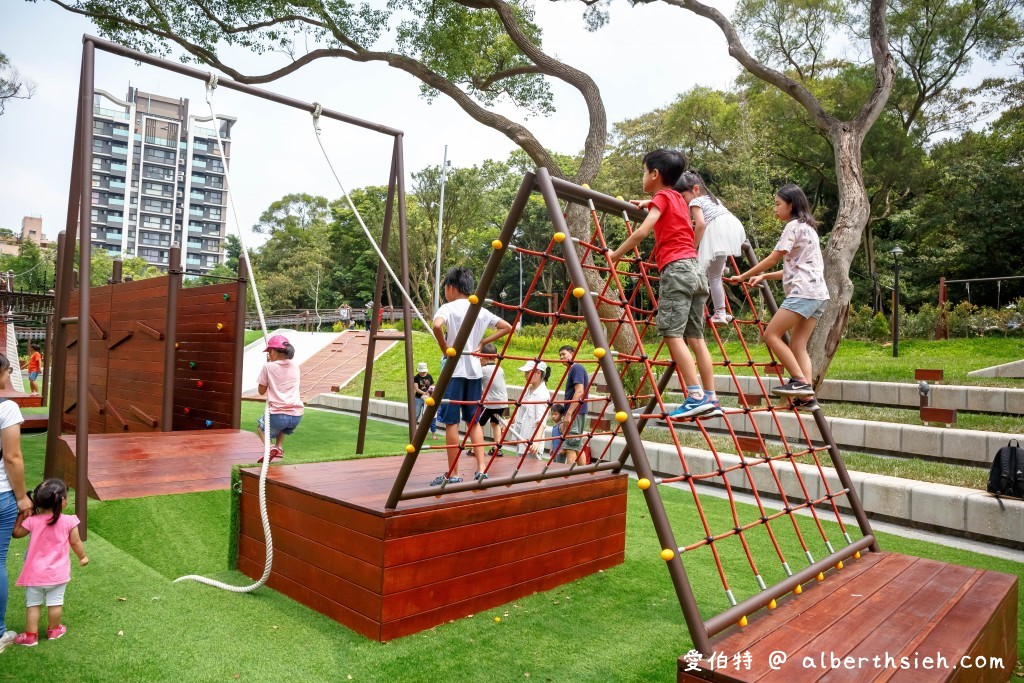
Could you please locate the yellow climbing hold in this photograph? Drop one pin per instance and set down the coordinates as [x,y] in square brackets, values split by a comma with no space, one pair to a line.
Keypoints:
[856,555]
[743,622]
[585,186]
[839,565]
[772,604]
[667,554]
[496,244]
[409,448]
[619,197]
[579,292]
[799,589]
[644,484]
[559,236]
[450,352]
[599,352]
[474,299]
[621,416]
[820,576]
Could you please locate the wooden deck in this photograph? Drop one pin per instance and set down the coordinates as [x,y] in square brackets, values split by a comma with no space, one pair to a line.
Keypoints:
[21,398]
[137,464]
[882,605]
[387,574]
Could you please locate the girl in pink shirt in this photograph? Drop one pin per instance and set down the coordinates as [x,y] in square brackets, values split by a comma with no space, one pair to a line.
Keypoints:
[279,381]
[47,569]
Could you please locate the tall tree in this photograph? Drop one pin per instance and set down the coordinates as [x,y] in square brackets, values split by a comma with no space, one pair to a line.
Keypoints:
[13,86]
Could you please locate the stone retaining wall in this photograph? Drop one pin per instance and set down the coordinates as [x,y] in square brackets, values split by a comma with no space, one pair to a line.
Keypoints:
[947,509]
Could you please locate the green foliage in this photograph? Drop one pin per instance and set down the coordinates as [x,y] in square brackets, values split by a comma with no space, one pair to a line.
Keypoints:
[880,327]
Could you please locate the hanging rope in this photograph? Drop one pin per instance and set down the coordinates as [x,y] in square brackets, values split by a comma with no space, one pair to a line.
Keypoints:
[211,85]
[317,110]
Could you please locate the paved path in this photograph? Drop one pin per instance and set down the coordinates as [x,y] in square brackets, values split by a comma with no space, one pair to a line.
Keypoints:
[338,362]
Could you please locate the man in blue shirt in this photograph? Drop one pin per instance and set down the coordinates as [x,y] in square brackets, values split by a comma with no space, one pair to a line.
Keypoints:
[574,411]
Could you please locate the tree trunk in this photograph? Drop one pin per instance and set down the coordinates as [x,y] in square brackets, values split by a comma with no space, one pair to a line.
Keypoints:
[852,217]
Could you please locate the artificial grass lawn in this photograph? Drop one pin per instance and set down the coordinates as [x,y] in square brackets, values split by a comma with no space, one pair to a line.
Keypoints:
[127,621]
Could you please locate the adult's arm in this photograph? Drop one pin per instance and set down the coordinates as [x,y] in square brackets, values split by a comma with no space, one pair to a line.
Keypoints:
[14,465]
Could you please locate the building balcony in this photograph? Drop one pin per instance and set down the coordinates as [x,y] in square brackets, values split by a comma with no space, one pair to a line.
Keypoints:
[110,113]
[163,142]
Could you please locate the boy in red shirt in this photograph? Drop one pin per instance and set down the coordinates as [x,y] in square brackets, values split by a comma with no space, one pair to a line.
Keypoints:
[683,283]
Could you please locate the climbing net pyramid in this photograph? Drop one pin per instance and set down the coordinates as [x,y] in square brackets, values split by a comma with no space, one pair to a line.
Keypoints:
[756,450]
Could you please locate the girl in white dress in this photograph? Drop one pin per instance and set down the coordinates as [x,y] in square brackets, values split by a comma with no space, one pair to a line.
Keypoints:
[530,416]
[723,236]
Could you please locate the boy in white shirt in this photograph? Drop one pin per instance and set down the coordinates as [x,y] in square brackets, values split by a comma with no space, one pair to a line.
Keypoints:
[465,385]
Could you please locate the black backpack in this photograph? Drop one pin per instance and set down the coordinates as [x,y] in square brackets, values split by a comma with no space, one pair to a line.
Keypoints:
[1007,475]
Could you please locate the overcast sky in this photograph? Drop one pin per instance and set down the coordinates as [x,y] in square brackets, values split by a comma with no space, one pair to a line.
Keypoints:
[275,150]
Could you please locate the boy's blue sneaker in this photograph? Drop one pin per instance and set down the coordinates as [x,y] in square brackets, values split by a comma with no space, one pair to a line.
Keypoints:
[692,407]
[716,411]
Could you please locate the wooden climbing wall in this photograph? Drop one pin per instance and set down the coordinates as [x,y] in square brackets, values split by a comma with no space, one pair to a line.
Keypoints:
[135,361]
[204,371]
[99,326]
[126,357]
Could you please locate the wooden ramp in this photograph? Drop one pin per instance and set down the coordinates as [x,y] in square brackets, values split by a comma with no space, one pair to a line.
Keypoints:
[387,574]
[137,464]
[337,363]
[918,617]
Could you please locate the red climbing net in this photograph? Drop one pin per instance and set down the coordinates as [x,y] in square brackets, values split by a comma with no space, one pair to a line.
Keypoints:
[757,455]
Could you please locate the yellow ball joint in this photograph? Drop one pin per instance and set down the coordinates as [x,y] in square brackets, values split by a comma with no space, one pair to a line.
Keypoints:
[599,353]
[409,448]
[772,604]
[856,555]
[450,352]
[559,237]
[798,590]
[619,197]
[585,186]
[820,576]
[429,400]
[621,416]
[839,565]
[579,292]
[742,622]
[644,484]
[667,554]
[474,299]
[496,244]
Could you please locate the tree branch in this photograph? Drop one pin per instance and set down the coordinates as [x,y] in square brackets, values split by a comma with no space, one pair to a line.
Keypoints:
[821,118]
[501,75]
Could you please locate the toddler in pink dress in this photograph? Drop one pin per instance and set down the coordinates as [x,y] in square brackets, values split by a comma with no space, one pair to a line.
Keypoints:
[47,569]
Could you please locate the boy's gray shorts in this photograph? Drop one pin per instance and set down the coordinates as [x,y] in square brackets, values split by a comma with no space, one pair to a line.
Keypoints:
[681,298]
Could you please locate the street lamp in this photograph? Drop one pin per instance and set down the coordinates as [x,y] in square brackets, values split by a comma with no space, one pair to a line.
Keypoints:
[896,253]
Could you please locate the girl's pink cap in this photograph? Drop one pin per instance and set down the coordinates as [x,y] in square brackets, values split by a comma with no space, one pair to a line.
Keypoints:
[278,342]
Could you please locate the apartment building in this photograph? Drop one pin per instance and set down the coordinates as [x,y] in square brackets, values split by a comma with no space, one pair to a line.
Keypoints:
[157,180]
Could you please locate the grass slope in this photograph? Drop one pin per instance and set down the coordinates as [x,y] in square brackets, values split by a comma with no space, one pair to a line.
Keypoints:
[128,622]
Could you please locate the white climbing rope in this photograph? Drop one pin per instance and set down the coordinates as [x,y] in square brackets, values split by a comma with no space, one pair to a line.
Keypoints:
[211,85]
[317,109]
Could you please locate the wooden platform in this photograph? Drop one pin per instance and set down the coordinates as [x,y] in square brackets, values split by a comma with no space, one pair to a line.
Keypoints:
[882,604]
[390,574]
[137,464]
[35,423]
[21,398]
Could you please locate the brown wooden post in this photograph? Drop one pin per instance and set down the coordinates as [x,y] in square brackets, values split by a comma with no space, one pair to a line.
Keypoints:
[61,299]
[170,336]
[48,350]
[85,253]
[410,392]
[371,346]
[116,271]
[241,291]
[942,327]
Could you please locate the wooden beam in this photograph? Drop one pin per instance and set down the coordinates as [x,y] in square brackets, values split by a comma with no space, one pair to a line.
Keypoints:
[928,375]
[120,340]
[96,326]
[155,334]
[943,415]
[117,416]
[151,421]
